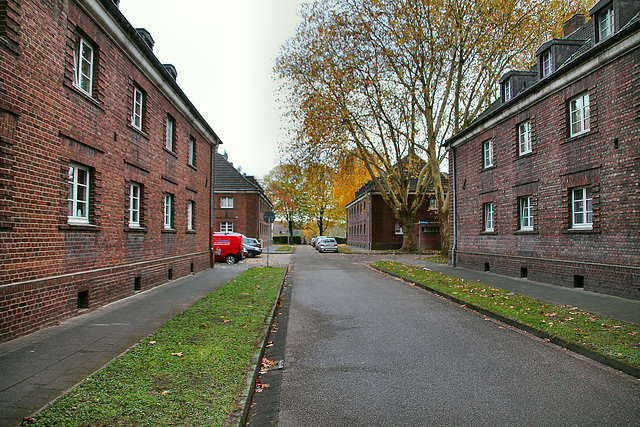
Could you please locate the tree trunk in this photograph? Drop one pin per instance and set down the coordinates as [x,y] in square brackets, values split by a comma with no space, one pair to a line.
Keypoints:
[408,239]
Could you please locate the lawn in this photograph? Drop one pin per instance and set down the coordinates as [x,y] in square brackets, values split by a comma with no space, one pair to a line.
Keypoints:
[605,336]
[190,372]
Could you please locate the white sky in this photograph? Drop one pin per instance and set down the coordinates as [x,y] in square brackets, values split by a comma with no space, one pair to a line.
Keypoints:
[224,52]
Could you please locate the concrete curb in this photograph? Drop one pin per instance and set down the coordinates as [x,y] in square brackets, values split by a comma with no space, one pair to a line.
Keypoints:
[576,348]
[241,413]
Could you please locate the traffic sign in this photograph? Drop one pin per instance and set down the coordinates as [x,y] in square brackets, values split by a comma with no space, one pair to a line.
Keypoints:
[269,216]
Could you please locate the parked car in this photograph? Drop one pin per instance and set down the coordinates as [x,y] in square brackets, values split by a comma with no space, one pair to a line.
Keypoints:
[228,247]
[252,246]
[315,240]
[328,244]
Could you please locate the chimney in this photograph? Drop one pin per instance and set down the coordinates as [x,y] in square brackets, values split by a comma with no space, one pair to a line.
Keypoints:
[573,24]
[146,37]
[171,69]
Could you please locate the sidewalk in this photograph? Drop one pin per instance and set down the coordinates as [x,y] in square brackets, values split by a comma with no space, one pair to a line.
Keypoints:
[627,310]
[37,368]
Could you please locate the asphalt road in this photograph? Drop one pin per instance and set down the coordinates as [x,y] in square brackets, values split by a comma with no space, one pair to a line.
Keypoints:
[363,349]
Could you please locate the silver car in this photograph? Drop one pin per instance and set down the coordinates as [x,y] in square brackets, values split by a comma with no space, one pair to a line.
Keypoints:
[328,244]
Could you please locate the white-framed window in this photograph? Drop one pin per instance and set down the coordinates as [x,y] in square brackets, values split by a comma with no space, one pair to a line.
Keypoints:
[226,227]
[606,23]
[192,150]
[526,213]
[506,90]
[433,203]
[83,65]
[488,217]
[581,208]
[138,105]
[398,229]
[135,192]
[487,150]
[545,69]
[579,113]
[170,127]
[226,202]
[190,211]
[524,138]
[78,201]
[168,211]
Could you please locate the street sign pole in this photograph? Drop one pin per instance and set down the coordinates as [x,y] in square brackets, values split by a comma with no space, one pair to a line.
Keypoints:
[268,218]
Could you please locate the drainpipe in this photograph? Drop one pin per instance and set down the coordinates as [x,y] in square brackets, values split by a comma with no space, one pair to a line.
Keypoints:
[214,148]
[453,200]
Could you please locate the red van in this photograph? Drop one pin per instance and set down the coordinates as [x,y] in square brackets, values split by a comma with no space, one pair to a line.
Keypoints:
[227,247]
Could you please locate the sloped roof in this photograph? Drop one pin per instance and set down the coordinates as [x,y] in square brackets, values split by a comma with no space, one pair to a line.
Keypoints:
[587,49]
[227,178]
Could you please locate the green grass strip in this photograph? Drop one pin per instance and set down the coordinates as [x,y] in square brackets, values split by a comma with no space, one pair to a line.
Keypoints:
[284,248]
[189,373]
[613,338]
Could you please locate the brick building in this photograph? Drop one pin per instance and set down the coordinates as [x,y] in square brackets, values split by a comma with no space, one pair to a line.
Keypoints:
[371,224]
[105,165]
[546,182]
[239,201]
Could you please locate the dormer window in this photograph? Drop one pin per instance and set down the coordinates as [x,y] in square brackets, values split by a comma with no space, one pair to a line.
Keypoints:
[506,91]
[606,25]
[545,67]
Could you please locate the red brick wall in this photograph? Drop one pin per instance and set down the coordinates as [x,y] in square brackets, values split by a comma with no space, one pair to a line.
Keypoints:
[371,220]
[247,214]
[46,123]
[607,158]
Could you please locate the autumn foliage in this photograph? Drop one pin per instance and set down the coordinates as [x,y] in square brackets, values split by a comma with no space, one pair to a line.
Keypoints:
[387,81]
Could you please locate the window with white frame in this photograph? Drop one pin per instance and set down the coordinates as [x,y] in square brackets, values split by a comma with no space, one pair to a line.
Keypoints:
[138,105]
[526,213]
[78,201]
[83,59]
[226,227]
[226,202]
[488,217]
[524,138]
[192,150]
[545,68]
[170,132]
[581,208]
[579,113]
[398,229]
[487,150]
[168,211]
[190,211]
[606,23]
[506,90]
[135,192]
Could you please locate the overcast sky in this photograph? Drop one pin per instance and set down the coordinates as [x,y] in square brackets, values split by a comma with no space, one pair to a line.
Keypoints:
[224,52]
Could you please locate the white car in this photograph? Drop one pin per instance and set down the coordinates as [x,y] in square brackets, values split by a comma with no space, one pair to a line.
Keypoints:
[328,244]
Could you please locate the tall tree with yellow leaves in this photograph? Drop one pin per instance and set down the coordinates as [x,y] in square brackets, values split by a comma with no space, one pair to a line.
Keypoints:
[390,80]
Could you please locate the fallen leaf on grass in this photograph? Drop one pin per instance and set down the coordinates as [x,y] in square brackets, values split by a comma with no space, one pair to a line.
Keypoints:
[152,342]
[177,354]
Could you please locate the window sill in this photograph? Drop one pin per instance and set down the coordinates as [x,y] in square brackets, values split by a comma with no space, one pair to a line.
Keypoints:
[525,232]
[576,137]
[78,227]
[488,168]
[525,155]
[84,95]
[581,231]
[173,153]
[169,230]
[192,166]
[138,131]
[488,233]
[133,229]
[191,231]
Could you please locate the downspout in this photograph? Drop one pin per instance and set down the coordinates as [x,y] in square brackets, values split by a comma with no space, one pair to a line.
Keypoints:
[214,148]
[453,200]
